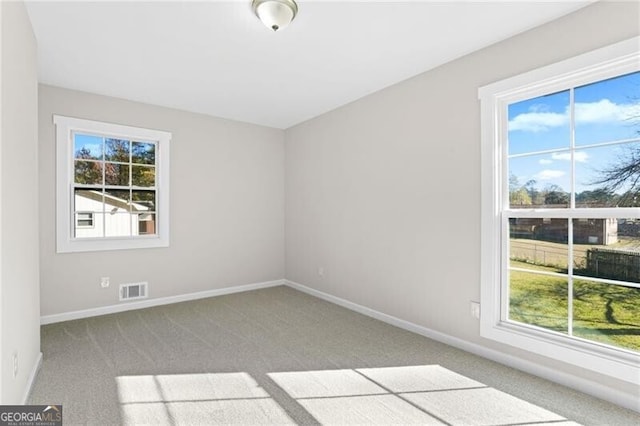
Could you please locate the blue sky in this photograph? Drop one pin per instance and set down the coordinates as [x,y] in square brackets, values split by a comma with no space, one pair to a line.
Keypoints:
[91,143]
[604,112]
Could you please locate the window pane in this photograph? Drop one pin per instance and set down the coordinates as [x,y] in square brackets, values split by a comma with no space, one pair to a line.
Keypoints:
[117,223]
[607,248]
[539,181]
[539,124]
[607,313]
[88,200]
[87,147]
[146,224]
[539,244]
[116,150]
[144,200]
[608,110]
[88,172]
[116,174]
[608,176]
[144,176]
[538,300]
[120,199]
[143,152]
[94,231]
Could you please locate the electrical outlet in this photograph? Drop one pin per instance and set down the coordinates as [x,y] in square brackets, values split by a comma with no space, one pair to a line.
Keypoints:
[15,365]
[475,310]
[104,282]
[321,272]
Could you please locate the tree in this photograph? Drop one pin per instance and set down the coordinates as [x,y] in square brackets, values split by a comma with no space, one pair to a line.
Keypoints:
[143,176]
[519,198]
[629,199]
[625,173]
[87,172]
[143,153]
[116,150]
[537,198]
[518,195]
[598,197]
[554,195]
[514,184]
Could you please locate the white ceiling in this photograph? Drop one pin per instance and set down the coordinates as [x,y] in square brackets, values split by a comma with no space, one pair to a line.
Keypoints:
[217,58]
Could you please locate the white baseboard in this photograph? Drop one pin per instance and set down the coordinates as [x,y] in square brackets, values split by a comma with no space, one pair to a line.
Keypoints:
[589,387]
[129,306]
[32,378]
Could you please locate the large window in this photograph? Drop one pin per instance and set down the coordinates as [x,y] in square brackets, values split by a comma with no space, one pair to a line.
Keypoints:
[561,211]
[112,186]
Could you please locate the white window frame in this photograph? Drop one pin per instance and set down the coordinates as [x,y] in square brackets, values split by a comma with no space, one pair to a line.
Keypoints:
[65,218]
[618,59]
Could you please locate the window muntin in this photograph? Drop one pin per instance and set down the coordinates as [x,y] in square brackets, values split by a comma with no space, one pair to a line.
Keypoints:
[117,174]
[502,210]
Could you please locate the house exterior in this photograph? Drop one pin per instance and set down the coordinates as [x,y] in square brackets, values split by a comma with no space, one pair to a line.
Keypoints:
[115,217]
[585,231]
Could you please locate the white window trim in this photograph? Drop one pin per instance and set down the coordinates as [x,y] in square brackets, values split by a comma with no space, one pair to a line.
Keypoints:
[65,243]
[600,64]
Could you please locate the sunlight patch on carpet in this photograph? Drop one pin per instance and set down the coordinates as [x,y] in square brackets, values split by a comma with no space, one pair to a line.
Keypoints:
[220,398]
[485,406]
[422,394]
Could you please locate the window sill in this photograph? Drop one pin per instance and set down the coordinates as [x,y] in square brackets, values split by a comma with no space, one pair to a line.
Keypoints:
[616,363]
[105,244]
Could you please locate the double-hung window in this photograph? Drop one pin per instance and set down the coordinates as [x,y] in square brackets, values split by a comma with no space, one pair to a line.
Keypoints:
[561,211]
[112,186]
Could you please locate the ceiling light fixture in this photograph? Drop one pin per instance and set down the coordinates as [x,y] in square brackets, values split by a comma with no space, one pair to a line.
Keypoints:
[275,14]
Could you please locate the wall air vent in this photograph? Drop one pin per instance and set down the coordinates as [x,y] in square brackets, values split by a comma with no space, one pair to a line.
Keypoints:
[133,291]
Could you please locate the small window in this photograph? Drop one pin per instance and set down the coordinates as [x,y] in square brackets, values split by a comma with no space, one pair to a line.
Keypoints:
[114,180]
[84,220]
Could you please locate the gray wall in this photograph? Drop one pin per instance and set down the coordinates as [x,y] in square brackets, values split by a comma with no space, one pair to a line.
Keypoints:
[19,291]
[227,207]
[384,193]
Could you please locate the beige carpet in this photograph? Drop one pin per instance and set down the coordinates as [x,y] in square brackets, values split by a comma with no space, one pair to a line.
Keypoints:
[278,356]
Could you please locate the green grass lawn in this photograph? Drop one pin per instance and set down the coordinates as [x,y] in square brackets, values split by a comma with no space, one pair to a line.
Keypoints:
[604,313]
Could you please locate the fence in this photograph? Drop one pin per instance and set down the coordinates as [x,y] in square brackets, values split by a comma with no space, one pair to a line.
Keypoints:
[613,264]
[539,253]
